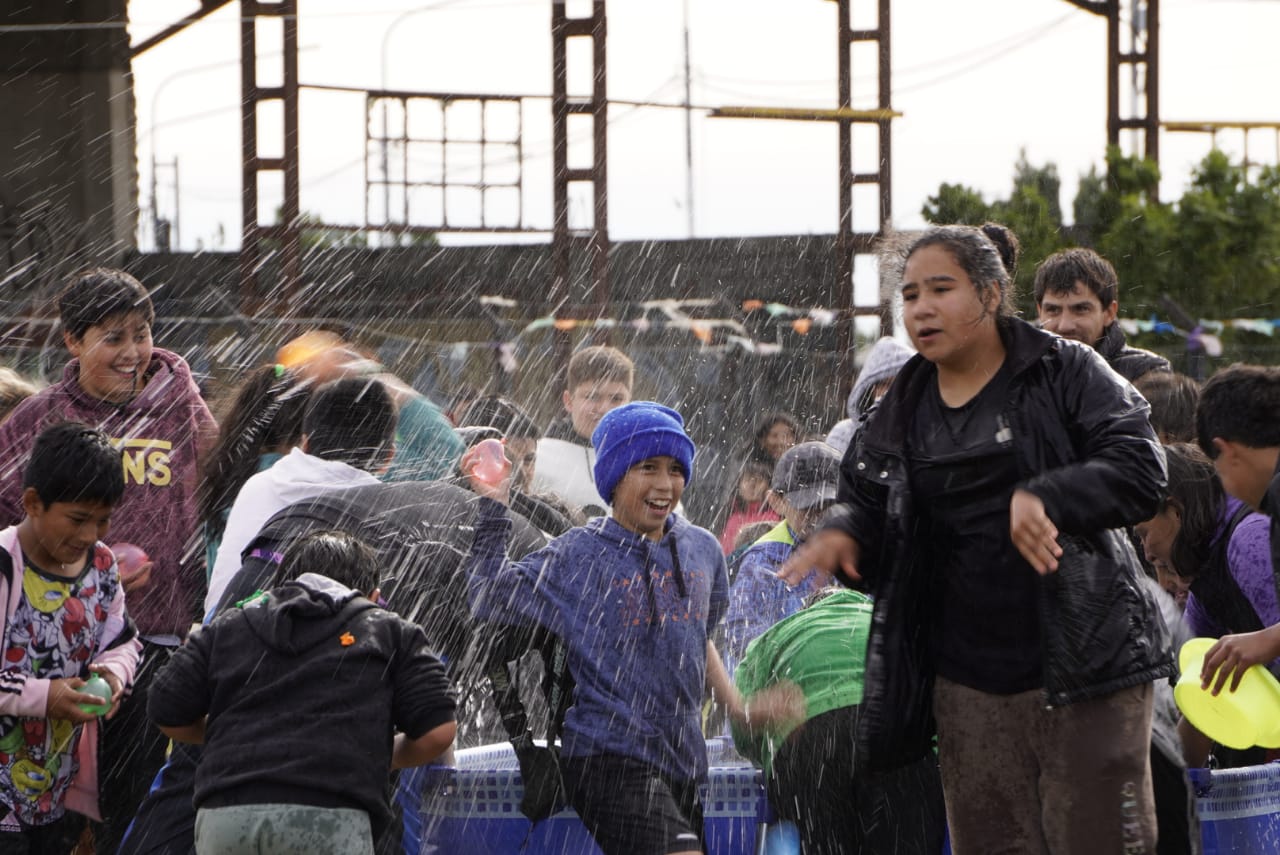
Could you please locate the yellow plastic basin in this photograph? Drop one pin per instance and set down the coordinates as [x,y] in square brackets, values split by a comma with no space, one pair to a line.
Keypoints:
[1244,718]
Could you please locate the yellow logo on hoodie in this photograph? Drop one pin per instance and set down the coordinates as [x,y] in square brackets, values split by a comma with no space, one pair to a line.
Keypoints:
[146,461]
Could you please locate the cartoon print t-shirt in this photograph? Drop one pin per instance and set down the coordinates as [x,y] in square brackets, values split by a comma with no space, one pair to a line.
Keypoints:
[52,633]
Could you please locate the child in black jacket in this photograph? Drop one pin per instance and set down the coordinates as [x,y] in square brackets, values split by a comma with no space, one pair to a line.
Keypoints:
[305,698]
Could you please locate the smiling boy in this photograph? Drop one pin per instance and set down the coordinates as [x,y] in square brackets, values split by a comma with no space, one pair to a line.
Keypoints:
[145,400]
[634,596]
[64,617]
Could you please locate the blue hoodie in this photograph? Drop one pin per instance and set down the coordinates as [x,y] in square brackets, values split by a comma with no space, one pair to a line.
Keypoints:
[636,642]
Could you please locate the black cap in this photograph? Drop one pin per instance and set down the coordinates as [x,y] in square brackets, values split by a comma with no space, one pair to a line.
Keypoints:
[807,474]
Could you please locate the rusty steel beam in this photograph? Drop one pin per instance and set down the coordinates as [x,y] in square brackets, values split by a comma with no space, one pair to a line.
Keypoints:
[596,106]
[253,164]
[206,7]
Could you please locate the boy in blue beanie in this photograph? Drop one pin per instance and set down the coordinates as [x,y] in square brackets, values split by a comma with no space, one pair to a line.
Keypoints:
[635,597]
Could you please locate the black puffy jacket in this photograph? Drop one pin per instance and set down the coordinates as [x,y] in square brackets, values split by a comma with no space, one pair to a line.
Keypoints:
[1128,361]
[1085,448]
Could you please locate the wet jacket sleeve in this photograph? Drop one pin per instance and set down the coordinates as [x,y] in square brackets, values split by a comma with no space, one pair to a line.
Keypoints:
[859,511]
[423,699]
[180,693]
[515,592]
[1119,476]
[17,435]
[121,649]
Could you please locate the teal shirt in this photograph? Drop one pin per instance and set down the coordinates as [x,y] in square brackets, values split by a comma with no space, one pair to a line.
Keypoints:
[427,447]
[822,649]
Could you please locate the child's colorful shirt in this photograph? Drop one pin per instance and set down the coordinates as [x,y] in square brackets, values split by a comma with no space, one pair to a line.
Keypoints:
[53,633]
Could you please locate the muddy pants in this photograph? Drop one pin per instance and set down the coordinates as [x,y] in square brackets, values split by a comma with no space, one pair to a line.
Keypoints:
[1022,778]
[282,830]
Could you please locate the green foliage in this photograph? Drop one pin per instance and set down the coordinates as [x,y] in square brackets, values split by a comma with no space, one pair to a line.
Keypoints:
[1216,251]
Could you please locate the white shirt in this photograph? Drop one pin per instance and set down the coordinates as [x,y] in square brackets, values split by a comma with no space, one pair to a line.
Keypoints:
[294,477]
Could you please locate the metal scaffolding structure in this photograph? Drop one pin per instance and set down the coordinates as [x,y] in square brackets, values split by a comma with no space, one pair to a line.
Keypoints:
[1132,48]
[1133,44]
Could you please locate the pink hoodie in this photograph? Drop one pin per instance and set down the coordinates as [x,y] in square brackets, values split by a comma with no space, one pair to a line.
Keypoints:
[32,699]
[162,433]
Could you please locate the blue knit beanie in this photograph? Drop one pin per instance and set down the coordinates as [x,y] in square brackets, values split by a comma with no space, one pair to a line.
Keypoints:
[634,432]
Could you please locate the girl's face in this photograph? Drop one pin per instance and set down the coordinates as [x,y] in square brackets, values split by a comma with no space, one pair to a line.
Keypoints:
[943,314]
[779,438]
[1157,535]
[752,488]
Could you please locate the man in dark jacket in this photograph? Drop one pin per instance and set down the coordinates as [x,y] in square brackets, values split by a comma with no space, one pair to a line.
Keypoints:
[1076,298]
[305,698]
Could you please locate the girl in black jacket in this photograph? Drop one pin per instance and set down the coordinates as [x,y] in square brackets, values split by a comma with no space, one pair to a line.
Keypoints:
[980,508]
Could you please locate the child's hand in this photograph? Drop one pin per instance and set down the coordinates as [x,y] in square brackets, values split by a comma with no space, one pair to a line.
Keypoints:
[117,687]
[64,696]
[135,579]
[1232,655]
[826,551]
[488,470]
[779,707]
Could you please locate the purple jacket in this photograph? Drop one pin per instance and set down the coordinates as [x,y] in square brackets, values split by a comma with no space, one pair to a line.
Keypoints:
[161,433]
[1249,562]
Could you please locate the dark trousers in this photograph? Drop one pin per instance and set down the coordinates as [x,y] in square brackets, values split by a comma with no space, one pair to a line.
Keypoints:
[841,811]
[1023,779]
[132,752]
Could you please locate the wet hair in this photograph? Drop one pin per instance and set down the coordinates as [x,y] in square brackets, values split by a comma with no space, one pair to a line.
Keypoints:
[266,413]
[1196,493]
[987,254]
[337,555]
[1240,404]
[821,594]
[72,462]
[1060,272]
[352,420]
[14,389]
[95,296]
[501,414]
[751,532]
[1173,400]
[600,364]
[766,424]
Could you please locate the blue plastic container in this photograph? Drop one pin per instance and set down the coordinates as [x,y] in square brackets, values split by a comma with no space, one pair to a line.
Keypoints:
[1238,809]
[475,807]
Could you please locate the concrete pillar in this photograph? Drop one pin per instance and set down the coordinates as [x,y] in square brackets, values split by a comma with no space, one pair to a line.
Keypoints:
[68,163]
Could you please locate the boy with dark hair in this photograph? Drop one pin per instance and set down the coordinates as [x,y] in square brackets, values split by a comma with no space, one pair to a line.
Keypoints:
[1238,427]
[634,597]
[146,401]
[598,379]
[519,432]
[348,437]
[1076,297]
[305,698]
[64,620]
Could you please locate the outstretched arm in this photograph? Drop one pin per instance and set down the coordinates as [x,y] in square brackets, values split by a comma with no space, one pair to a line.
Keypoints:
[427,747]
[1232,655]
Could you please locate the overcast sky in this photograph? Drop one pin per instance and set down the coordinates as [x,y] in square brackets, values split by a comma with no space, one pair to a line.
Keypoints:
[975,81]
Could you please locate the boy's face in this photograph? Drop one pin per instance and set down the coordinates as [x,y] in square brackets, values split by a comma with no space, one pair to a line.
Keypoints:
[1242,473]
[1078,314]
[752,488]
[113,356]
[802,520]
[588,402]
[647,494]
[523,454]
[64,531]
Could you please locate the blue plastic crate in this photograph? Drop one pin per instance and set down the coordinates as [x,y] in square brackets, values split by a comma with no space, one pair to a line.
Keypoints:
[475,807]
[1238,809]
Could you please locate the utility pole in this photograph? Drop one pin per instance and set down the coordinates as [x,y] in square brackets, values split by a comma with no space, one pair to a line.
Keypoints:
[688,125]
